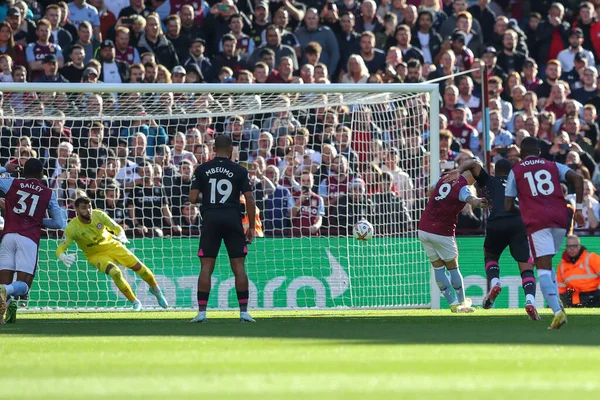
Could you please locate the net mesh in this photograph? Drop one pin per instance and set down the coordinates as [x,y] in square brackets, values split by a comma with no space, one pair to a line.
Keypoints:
[339,157]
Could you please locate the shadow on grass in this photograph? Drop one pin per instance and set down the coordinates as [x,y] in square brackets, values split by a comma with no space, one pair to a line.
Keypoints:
[582,329]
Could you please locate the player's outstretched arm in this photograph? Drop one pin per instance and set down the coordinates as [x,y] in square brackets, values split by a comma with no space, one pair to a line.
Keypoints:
[472,165]
[58,217]
[510,193]
[112,226]
[67,259]
[251,211]
[577,181]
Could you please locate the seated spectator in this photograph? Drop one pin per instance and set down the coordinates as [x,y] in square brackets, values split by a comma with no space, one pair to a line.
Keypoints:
[73,70]
[149,206]
[511,59]
[113,70]
[264,150]
[567,56]
[589,90]
[71,180]
[281,122]
[124,52]
[163,159]
[402,184]
[336,184]
[502,137]
[227,57]
[155,41]
[106,174]
[50,68]
[556,101]
[190,218]
[273,42]
[179,151]
[10,47]
[111,202]
[357,70]
[466,97]
[308,209]
[244,135]
[553,74]
[578,275]
[284,72]
[530,79]
[591,206]
[261,72]
[466,134]
[473,40]
[390,215]
[351,207]
[312,52]
[59,164]
[313,32]
[153,133]
[589,124]
[180,42]
[464,55]
[278,205]
[201,153]
[94,152]
[179,192]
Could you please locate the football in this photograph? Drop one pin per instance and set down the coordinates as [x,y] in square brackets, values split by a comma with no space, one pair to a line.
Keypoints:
[363,230]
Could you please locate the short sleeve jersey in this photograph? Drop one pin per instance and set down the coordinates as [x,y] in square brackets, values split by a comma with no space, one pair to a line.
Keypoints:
[494,188]
[221,181]
[536,182]
[445,203]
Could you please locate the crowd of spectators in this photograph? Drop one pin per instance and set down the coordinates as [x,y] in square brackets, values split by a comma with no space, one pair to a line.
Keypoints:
[315,171]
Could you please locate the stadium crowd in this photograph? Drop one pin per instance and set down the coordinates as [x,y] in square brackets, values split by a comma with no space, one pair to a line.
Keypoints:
[317,171]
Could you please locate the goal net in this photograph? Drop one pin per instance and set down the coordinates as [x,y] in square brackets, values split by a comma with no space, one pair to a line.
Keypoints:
[321,158]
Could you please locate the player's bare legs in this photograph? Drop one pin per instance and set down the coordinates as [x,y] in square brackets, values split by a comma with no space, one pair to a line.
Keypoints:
[117,276]
[241,287]
[148,277]
[207,266]
[6,277]
[439,269]
[550,290]
[456,279]
[529,286]
[492,272]
[8,288]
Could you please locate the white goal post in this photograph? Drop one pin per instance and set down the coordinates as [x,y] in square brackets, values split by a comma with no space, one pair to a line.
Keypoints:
[131,148]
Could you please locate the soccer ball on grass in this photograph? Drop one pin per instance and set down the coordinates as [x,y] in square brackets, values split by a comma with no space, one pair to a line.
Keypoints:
[363,230]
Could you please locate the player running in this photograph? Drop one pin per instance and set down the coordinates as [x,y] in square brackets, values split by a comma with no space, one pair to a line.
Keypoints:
[25,204]
[536,182]
[102,241]
[220,182]
[437,229]
[504,229]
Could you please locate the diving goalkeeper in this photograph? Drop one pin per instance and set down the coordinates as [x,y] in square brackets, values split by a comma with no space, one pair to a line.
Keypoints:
[93,231]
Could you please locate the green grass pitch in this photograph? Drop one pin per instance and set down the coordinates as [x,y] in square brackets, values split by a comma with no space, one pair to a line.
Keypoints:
[378,354]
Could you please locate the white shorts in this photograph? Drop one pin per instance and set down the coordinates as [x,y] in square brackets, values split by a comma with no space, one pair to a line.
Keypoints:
[438,247]
[546,242]
[18,253]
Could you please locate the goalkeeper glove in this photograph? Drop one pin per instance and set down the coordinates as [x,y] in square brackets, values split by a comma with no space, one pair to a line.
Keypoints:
[122,238]
[67,259]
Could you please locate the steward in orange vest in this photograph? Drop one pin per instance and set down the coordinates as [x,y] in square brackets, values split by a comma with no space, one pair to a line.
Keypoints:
[578,275]
[258,230]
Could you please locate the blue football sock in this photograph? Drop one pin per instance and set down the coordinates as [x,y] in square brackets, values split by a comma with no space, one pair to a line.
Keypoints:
[457,283]
[549,289]
[17,288]
[444,284]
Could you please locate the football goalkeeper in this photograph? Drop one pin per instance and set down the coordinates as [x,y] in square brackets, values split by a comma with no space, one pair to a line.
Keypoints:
[93,231]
